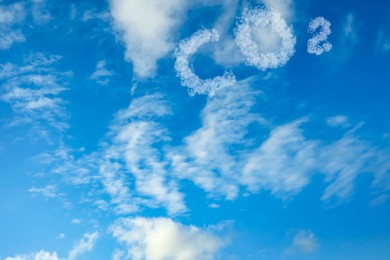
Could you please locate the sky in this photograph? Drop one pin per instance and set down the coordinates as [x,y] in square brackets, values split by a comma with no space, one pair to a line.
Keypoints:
[172,129]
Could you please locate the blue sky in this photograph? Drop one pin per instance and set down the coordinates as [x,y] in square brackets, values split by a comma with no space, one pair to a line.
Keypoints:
[220,129]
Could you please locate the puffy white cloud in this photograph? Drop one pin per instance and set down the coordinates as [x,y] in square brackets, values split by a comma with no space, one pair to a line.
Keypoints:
[319,44]
[84,245]
[147,29]
[252,51]
[186,49]
[162,238]
[11,18]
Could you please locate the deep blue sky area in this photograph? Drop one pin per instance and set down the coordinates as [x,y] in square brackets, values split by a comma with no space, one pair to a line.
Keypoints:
[190,130]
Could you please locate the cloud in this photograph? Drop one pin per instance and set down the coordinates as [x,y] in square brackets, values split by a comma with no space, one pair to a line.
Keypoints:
[84,245]
[219,158]
[285,7]
[39,13]
[135,134]
[283,163]
[11,18]
[304,241]
[162,238]
[41,255]
[50,191]
[235,151]
[321,27]
[101,75]
[338,120]
[382,42]
[76,221]
[33,90]
[225,52]
[345,43]
[186,49]
[130,164]
[207,157]
[273,22]
[147,29]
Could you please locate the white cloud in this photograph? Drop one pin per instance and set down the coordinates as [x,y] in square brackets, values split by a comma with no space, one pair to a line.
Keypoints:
[304,241]
[33,92]
[101,75]
[162,238]
[283,163]
[11,18]
[342,161]
[225,52]
[253,52]
[129,165]
[84,245]
[206,156]
[338,120]
[321,29]
[41,255]
[76,221]
[186,49]
[220,159]
[147,29]
[49,191]
[135,135]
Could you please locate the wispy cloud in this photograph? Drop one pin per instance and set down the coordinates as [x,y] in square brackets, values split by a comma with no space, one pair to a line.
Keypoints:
[39,12]
[11,18]
[345,43]
[49,191]
[304,241]
[162,238]
[102,75]
[41,255]
[283,163]
[139,166]
[84,245]
[33,91]
[382,41]
[136,134]
[207,156]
